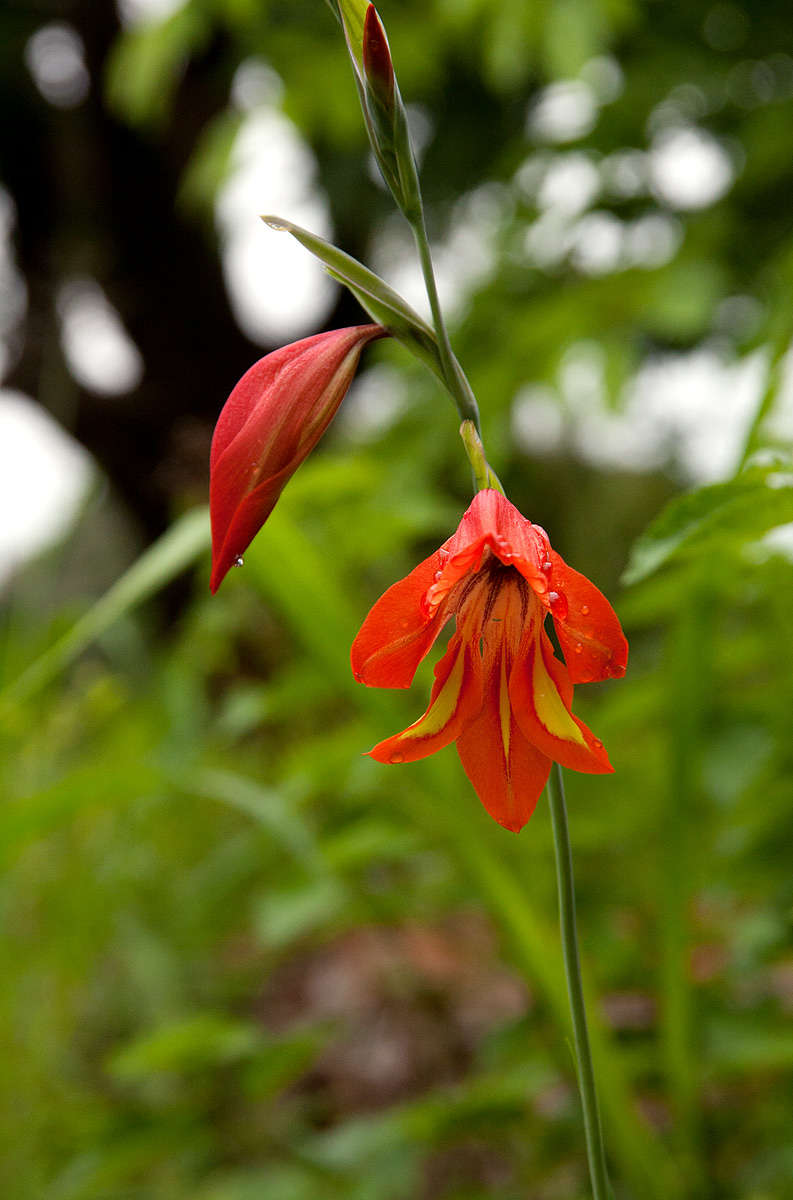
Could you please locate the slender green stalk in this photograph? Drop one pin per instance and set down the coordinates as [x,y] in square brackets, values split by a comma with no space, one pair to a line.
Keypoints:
[422,242]
[572,965]
[456,381]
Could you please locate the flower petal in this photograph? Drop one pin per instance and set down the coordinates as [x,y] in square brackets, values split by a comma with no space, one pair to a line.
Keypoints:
[491,522]
[588,629]
[398,630]
[456,698]
[246,520]
[541,693]
[508,772]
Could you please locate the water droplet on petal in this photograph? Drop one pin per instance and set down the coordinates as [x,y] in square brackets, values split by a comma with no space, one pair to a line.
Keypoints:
[547,566]
[438,575]
[598,744]
[578,648]
[238,561]
[584,609]
[397,758]
[553,597]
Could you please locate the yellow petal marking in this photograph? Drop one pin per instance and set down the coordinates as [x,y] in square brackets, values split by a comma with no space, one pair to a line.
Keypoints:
[549,706]
[442,709]
[504,708]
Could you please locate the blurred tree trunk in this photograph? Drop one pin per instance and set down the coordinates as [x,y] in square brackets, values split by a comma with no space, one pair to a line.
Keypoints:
[97,199]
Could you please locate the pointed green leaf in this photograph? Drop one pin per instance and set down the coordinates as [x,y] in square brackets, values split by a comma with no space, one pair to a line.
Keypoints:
[722,516]
[382,303]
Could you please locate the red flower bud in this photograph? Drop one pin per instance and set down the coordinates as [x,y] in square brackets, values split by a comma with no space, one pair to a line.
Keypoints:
[377,65]
[271,421]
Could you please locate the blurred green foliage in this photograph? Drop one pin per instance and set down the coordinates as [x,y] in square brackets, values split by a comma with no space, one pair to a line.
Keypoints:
[242,961]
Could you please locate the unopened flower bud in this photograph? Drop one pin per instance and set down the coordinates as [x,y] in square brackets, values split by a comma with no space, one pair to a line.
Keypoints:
[271,421]
[377,65]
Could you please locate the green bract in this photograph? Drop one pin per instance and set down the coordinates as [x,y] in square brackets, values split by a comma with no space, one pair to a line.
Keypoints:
[382,303]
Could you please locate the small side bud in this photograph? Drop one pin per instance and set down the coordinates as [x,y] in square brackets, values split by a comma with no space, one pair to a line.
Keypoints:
[383,110]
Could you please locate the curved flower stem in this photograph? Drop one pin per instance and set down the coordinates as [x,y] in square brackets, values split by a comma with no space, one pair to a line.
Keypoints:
[567,919]
[456,382]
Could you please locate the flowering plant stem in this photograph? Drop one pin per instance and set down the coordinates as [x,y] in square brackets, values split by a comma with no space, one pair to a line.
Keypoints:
[467,407]
[456,382]
[567,920]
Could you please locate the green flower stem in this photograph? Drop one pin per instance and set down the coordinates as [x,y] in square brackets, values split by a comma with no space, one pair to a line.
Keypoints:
[456,382]
[484,475]
[586,1076]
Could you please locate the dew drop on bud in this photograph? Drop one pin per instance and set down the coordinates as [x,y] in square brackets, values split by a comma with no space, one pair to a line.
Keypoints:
[275,224]
[239,561]
[397,758]
[584,610]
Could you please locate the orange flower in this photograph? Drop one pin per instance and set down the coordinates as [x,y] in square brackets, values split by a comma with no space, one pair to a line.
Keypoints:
[499,692]
[271,421]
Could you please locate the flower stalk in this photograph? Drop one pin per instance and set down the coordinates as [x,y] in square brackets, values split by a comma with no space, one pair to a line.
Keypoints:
[572,964]
[455,379]
[484,475]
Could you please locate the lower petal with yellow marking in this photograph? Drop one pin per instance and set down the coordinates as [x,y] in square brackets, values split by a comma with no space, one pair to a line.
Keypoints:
[456,698]
[541,693]
[506,770]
